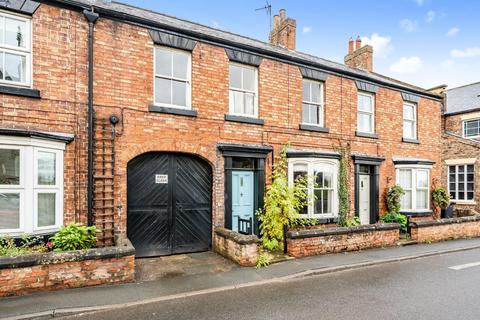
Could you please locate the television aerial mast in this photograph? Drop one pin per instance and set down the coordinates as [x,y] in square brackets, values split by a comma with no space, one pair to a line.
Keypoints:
[268,10]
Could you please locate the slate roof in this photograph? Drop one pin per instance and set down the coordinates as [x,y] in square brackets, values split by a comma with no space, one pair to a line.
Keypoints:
[148,17]
[463,99]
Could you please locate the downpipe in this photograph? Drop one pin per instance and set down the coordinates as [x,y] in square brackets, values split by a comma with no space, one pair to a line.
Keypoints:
[92,18]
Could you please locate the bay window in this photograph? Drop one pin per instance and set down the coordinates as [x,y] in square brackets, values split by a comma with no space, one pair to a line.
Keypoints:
[461,182]
[322,176]
[312,103]
[172,78]
[243,88]
[415,181]
[31,186]
[15,49]
[366,113]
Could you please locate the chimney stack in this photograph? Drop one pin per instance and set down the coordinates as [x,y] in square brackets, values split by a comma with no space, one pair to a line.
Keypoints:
[284,31]
[359,57]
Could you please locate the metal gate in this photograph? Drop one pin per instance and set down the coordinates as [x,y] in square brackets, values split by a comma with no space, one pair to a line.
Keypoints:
[169,204]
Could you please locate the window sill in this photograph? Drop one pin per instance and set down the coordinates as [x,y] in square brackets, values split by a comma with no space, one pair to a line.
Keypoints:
[470,202]
[424,213]
[18,91]
[310,127]
[175,111]
[366,135]
[229,117]
[414,141]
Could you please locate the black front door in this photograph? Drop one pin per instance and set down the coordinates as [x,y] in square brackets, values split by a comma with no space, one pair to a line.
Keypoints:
[169,200]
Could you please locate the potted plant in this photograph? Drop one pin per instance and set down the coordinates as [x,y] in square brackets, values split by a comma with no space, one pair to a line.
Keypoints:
[441,199]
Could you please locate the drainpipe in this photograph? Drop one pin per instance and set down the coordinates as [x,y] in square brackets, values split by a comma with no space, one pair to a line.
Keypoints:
[91,18]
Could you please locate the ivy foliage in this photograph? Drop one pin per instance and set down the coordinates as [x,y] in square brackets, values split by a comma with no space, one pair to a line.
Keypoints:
[343,198]
[74,237]
[282,204]
[393,198]
[440,197]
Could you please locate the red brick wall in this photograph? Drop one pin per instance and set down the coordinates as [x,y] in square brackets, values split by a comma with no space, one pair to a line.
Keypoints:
[20,281]
[59,72]
[446,231]
[124,86]
[230,245]
[348,241]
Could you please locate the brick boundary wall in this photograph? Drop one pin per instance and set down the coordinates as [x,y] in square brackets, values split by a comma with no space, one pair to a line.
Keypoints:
[241,249]
[445,229]
[310,242]
[55,271]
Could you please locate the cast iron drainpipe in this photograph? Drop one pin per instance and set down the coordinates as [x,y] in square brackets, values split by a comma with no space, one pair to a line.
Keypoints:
[91,18]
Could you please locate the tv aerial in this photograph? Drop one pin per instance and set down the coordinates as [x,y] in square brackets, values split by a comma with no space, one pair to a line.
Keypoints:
[268,10]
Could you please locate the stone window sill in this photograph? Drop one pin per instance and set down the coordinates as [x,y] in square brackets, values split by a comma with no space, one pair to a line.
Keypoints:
[19,91]
[425,213]
[414,141]
[232,118]
[366,135]
[175,111]
[310,127]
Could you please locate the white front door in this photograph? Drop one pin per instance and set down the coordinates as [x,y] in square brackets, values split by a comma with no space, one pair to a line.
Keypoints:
[364,199]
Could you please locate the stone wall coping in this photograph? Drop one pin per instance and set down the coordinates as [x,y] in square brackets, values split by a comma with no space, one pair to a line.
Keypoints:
[236,237]
[68,256]
[311,233]
[424,224]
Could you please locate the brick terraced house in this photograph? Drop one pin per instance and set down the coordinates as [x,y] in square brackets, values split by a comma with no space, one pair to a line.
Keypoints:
[461,147]
[160,129]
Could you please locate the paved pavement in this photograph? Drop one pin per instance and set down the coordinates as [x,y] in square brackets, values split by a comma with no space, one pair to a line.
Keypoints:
[415,289]
[59,303]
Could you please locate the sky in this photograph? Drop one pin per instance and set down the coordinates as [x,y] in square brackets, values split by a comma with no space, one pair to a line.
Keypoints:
[423,42]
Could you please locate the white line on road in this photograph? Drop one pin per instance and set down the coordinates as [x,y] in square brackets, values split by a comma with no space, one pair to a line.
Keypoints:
[465,266]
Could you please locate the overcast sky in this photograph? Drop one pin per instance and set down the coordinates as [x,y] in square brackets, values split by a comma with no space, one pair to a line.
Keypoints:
[423,42]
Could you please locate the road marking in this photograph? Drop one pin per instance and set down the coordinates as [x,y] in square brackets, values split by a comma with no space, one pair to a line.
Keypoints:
[465,266]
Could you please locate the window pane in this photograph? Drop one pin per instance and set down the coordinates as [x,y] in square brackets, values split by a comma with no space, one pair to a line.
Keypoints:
[364,123]
[243,163]
[9,210]
[469,195]
[9,166]
[408,131]
[46,168]
[306,91]
[327,201]
[406,202]
[238,102]
[365,103]
[180,65]
[319,179]
[408,112]
[327,180]
[179,93]
[2,24]
[235,77]
[306,113]
[405,179]
[15,33]
[46,209]
[249,104]
[315,92]
[422,179]
[163,91]
[318,207]
[470,168]
[2,73]
[249,79]
[451,169]
[422,199]
[15,67]
[163,62]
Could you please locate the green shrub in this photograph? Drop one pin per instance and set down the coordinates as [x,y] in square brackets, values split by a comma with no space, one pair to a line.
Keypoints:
[352,222]
[27,245]
[440,197]
[399,218]
[262,261]
[74,237]
[394,196]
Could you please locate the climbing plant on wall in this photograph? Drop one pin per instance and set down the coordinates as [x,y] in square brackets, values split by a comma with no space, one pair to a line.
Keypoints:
[343,177]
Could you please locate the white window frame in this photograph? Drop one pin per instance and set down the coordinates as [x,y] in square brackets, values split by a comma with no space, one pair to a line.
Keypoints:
[313,164]
[456,199]
[320,104]
[371,114]
[188,81]
[231,107]
[410,121]
[28,188]
[464,127]
[26,52]
[414,169]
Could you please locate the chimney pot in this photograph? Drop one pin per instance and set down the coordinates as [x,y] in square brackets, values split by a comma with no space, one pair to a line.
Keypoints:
[284,31]
[358,43]
[283,14]
[350,46]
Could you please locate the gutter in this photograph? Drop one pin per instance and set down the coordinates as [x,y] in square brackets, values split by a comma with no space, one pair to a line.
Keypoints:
[91,18]
[234,45]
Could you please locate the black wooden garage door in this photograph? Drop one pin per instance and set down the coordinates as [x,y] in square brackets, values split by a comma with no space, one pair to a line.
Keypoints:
[169,204]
